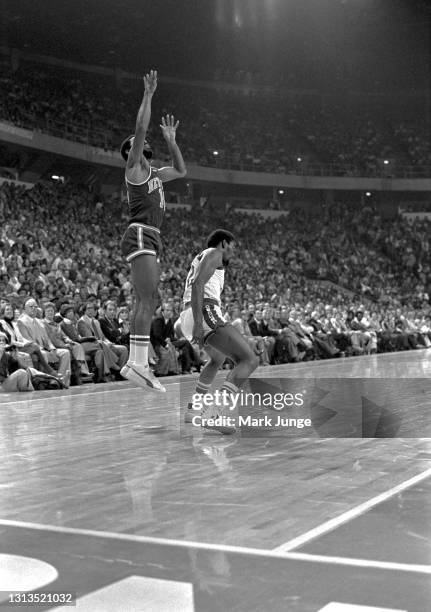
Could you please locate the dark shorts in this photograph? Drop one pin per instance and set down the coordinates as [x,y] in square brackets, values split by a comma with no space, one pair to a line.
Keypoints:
[140,240]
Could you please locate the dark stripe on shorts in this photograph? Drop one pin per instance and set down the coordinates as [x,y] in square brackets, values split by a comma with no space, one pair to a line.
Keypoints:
[211,317]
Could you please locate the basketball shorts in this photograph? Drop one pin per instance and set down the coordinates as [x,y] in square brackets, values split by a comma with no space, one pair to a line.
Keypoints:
[212,319]
[140,240]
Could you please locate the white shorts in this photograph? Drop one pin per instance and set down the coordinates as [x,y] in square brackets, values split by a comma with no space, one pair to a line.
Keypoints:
[213,319]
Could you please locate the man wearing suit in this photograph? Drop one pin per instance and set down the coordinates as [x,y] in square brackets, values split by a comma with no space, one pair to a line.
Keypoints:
[323,340]
[110,325]
[252,323]
[91,346]
[80,372]
[162,337]
[268,333]
[304,341]
[88,326]
[32,330]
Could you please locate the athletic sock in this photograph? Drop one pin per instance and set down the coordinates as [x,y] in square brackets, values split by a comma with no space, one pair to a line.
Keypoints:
[139,350]
[230,389]
[202,388]
[132,350]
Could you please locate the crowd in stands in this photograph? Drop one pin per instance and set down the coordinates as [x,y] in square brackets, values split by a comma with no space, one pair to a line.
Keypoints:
[218,127]
[316,284]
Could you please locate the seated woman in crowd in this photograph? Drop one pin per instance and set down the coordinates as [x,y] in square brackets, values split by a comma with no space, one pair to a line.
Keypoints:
[12,377]
[28,353]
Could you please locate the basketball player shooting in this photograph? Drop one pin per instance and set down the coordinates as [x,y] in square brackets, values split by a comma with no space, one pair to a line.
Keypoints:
[141,244]
[202,322]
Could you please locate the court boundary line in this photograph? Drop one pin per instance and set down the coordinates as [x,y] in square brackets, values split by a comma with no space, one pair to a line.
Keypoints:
[190,377]
[351,514]
[87,393]
[255,552]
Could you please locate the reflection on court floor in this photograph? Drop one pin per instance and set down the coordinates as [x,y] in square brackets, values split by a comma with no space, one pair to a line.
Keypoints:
[127,517]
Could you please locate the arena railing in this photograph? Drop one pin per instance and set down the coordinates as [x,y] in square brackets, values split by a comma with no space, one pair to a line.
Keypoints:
[109,140]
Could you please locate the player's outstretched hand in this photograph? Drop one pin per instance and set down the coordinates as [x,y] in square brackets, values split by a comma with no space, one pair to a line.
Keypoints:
[150,81]
[169,128]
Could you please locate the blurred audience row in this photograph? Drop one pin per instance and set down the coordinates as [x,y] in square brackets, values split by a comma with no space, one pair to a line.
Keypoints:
[217,127]
[327,282]
[39,345]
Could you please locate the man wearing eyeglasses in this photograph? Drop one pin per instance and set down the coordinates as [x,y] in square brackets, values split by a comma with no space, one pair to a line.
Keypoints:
[115,354]
[32,330]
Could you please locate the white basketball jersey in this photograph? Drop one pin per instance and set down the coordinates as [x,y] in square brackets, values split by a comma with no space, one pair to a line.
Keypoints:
[213,287]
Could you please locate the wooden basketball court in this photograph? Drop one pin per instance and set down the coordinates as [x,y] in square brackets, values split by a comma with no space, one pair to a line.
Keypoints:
[106,494]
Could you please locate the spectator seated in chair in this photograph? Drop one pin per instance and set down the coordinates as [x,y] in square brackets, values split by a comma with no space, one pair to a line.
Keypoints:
[12,377]
[29,353]
[33,330]
[92,349]
[110,325]
[124,324]
[115,354]
[165,344]
[80,371]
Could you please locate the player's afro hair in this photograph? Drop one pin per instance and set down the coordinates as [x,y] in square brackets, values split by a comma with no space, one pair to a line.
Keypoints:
[218,236]
[126,145]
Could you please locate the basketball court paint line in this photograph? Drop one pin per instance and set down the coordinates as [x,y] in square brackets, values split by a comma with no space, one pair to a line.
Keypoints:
[98,391]
[336,606]
[224,548]
[19,573]
[131,592]
[221,580]
[350,514]
[397,530]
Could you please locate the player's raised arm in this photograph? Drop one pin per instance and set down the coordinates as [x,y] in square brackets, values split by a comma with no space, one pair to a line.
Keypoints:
[143,121]
[207,267]
[178,168]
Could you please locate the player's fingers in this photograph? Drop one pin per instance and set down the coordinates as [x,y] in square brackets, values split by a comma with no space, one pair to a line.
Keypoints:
[176,125]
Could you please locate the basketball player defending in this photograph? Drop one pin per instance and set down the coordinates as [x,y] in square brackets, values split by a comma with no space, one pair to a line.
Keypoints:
[141,243]
[203,322]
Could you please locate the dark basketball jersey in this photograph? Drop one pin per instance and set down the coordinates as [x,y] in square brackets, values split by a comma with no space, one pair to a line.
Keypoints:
[146,200]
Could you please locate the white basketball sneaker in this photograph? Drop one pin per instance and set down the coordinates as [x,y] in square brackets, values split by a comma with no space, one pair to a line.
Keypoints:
[142,376]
